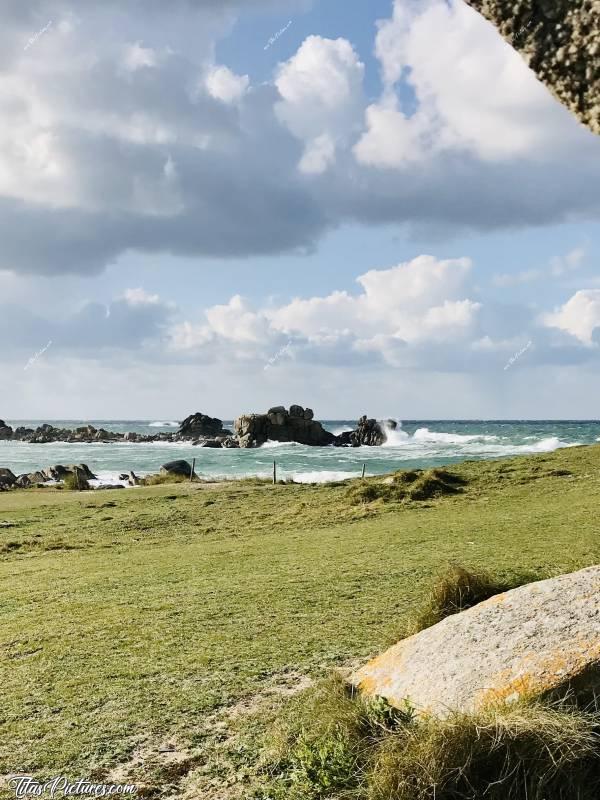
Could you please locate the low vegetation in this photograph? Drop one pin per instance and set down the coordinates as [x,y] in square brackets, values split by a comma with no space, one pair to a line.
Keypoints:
[334,743]
[75,482]
[160,480]
[157,634]
[408,485]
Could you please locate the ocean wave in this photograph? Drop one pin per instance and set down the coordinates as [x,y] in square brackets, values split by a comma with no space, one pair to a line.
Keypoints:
[170,424]
[396,437]
[547,445]
[341,429]
[425,435]
[270,443]
[104,478]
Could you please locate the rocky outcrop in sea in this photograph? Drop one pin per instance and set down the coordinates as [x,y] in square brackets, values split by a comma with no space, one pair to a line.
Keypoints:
[369,432]
[251,430]
[281,425]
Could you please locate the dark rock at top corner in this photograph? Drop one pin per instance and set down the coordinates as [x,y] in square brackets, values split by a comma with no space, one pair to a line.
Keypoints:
[197,425]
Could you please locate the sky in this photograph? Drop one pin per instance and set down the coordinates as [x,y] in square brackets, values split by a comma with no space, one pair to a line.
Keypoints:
[222,206]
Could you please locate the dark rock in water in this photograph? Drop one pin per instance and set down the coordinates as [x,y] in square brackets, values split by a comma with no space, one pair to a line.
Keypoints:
[368,432]
[180,467]
[7,477]
[23,482]
[230,442]
[22,433]
[278,425]
[214,443]
[198,425]
[6,432]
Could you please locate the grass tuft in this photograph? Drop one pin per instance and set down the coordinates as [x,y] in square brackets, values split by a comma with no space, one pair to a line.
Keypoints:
[459,588]
[160,480]
[406,486]
[75,482]
[341,745]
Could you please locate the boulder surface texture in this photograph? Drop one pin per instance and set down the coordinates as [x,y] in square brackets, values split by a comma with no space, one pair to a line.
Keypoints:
[541,639]
[560,40]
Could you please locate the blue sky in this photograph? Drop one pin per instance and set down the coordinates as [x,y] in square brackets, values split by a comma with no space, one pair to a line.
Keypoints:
[178,204]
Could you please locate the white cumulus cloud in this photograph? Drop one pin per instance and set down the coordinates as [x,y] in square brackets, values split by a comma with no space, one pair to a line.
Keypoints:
[579,316]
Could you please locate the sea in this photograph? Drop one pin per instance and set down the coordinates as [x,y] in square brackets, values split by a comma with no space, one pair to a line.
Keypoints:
[414,444]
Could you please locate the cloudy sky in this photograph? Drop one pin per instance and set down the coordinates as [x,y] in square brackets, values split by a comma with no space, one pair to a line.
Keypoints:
[216,205]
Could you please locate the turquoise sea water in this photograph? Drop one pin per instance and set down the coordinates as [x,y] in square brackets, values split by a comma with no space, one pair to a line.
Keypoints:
[416,443]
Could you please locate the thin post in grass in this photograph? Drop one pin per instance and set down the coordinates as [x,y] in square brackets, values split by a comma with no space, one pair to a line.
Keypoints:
[192,470]
[363,472]
[274,473]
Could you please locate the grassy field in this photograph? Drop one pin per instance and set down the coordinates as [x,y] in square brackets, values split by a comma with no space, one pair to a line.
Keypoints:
[152,634]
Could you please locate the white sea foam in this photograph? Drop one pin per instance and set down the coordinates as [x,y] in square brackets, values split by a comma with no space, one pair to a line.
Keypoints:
[425,435]
[270,443]
[104,478]
[341,429]
[396,437]
[320,476]
[548,445]
[159,424]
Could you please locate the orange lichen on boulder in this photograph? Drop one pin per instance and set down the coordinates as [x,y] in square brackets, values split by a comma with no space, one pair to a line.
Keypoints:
[539,639]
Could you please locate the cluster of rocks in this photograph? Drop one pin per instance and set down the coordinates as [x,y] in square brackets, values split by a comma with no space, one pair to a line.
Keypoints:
[279,425]
[197,427]
[56,473]
[298,425]
[251,430]
[46,433]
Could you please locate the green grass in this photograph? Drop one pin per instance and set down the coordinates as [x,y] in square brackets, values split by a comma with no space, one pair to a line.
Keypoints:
[181,616]
[333,743]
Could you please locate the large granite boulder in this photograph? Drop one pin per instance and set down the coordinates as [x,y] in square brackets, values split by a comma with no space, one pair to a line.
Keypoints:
[197,425]
[179,467]
[6,432]
[280,425]
[31,479]
[368,432]
[542,639]
[59,472]
[560,40]
[7,478]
